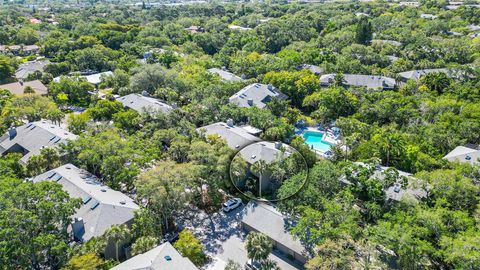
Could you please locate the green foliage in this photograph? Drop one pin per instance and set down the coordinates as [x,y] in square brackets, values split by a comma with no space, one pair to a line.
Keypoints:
[258,246]
[33,221]
[190,247]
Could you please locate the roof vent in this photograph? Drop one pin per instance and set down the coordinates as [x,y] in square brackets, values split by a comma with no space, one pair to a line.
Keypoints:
[123,202]
[270,87]
[250,102]
[103,190]
[468,157]
[168,258]
[68,167]
[230,122]
[254,156]
[237,146]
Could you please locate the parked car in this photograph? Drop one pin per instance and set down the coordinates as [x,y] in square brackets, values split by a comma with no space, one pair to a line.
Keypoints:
[252,265]
[232,204]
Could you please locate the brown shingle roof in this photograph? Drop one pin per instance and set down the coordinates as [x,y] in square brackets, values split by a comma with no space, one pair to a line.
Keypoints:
[17,88]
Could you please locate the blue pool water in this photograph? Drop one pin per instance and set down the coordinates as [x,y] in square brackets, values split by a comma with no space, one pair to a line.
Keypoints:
[314,139]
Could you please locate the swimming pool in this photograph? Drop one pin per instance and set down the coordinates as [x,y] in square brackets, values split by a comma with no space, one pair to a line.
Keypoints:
[314,139]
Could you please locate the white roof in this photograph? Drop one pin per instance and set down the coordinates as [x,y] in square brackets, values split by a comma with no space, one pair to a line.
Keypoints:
[163,257]
[110,207]
[93,78]
[464,154]
[225,74]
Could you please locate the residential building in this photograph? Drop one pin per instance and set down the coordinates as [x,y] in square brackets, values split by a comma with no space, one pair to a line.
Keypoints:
[314,69]
[162,257]
[18,88]
[101,206]
[30,49]
[417,74]
[235,136]
[195,29]
[268,152]
[30,138]
[256,95]
[240,28]
[95,78]
[368,81]
[27,68]
[386,41]
[415,188]
[264,218]
[465,154]
[428,16]
[144,103]
[225,74]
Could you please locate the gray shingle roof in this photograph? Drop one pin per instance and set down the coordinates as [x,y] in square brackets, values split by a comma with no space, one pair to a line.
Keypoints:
[369,81]
[33,137]
[259,95]
[464,154]
[265,151]
[416,74]
[266,219]
[314,69]
[17,88]
[396,192]
[24,69]
[225,74]
[156,259]
[142,103]
[112,207]
[236,137]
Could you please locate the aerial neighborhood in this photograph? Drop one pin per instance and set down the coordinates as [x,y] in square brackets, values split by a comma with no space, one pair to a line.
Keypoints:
[258,135]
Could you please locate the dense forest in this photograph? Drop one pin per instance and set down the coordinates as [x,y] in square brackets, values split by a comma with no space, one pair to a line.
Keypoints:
[154,158]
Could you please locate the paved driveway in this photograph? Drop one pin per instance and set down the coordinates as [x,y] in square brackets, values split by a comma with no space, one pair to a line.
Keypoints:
[223,238]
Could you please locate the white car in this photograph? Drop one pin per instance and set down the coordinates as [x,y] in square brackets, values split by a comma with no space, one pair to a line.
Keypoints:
[231,204]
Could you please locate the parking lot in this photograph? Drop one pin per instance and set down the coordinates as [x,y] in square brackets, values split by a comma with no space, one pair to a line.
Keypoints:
[223,238]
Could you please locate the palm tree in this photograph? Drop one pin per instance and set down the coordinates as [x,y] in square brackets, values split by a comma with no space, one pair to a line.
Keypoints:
[144,244]
[258,246]
[259,168]
[391,144]
[118,234]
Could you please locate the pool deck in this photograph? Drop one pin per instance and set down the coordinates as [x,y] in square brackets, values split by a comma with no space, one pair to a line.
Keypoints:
[327,137]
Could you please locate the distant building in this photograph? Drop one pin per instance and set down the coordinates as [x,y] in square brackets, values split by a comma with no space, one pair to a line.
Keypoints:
[30,138]
[143,103]
[386,41]
[225,74]
[35,21]
[18,88]
[27,68]
[368,81]
[163,257]
[236,137]
[19,50]
[264,218]
[195,29]
[314,69]
[428,16]
[95,78]
[256,95]
[396,192]
[465,154]
[417,74]
[240,28]
[101,206]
